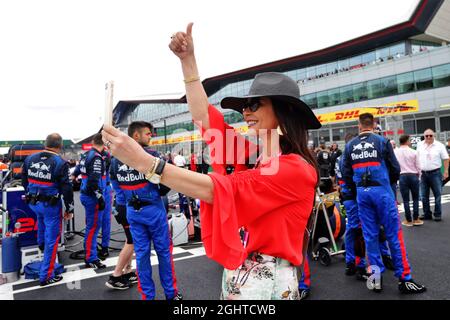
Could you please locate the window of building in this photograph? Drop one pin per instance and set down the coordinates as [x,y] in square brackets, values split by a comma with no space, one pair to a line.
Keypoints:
[324,135]
[311,72]
[310,100]
[332,67]
[301,74]
[424,124]
[382,54]
[355,61]
[405,82]
[321,69]
[351,128]
[423,79]
[389,86]
[338,134]
[397,50]
[441,75]
[368,57]
[323,100]
[346,94]
[343,64]
[360,91]
[409,126]
[374,89]
[335,97]
[445,123]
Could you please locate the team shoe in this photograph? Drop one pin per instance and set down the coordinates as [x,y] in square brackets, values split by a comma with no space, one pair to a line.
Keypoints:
[437,219]
[410,287]
[407,223]
[303,293]
[350,269]
[418,222]
[131,277]
[117,283]
[103,253]
[387,261]
[95,264]
[362,274]
[425,218]
[53,280]
[178,296]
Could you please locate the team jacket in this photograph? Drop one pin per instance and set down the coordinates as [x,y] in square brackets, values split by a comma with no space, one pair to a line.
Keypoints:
[93,172]
[369,157]
[120,196]
[133,183]
[46,173]
[107,160]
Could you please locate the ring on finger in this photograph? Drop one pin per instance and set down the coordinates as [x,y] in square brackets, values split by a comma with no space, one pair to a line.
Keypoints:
[108,143]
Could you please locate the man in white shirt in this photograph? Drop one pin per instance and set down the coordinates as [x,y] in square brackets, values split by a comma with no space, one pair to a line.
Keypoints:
[179,161]
[431,154]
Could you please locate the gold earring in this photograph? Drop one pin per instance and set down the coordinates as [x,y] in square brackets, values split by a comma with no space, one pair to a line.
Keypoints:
[279,131]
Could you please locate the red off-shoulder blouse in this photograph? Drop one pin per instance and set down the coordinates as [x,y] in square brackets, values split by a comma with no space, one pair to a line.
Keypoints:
[274,208]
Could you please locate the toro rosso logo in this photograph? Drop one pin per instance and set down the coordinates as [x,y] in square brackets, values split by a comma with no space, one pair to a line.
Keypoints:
[124,168]
[41,171]
[364,150]
[40,166]
[128,174]
[363,146]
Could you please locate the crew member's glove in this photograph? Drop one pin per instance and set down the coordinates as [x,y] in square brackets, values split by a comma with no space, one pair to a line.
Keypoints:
[100,200]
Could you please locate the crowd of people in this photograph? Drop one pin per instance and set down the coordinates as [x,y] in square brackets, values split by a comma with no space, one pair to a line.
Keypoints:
[253,217]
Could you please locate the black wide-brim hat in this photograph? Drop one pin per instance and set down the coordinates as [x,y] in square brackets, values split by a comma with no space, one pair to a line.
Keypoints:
[277,86]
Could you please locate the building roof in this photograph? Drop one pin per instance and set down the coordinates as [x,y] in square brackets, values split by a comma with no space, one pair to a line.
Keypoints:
[430,20]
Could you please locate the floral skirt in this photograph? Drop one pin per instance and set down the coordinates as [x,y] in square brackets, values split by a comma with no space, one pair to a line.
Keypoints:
[261,277]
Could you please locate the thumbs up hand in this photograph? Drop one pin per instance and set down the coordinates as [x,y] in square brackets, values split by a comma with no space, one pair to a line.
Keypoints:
[182,44]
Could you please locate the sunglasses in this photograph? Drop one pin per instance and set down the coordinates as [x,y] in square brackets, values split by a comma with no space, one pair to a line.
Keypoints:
[252,105]
[429,136]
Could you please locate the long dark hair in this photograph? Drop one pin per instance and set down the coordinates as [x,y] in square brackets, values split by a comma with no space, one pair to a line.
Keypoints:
[295,134]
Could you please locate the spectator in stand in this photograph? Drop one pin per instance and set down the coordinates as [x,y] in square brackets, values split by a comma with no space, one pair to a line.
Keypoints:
[409,180]
[431,154]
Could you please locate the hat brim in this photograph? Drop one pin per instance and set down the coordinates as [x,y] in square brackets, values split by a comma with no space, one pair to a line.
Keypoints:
[236,103]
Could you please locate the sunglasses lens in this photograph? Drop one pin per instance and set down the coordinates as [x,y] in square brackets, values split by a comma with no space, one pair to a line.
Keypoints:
[252,105]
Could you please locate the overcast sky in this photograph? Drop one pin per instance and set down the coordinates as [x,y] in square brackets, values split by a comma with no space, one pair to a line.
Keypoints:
[57,55]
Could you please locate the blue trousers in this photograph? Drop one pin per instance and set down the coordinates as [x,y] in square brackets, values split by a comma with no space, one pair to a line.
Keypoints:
[106,222]
[377,207]
[410,182]
[353,224]
[94,219]
[150,225]
[49,234]
[431,180]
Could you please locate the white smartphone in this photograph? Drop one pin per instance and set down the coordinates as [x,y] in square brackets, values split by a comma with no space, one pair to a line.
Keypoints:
[109,92]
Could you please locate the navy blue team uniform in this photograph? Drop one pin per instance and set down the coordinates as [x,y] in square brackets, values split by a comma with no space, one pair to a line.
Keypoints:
[45,179]
[148,222]
[93,185]
[106,223]
[368,164]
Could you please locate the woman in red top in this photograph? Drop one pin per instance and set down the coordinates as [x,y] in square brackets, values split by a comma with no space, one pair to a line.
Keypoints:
[253,221]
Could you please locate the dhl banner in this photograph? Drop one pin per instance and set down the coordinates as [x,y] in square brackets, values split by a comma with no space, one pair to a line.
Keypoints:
[378,111]
[332,117]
